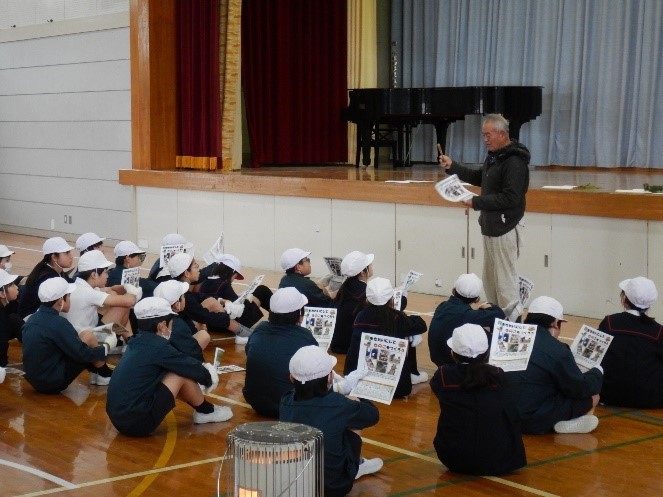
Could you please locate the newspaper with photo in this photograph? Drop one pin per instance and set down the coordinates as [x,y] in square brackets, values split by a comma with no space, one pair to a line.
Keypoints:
[168,251]
[334,265]
[383,358]
[452,189]
[589,347]
[213,254]
[410,279]
[250,289]
[526,286]
[511,345]
[321,322]
[131,276]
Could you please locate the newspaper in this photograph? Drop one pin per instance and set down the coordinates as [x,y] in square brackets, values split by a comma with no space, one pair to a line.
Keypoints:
[452,189]
[410,279]
[218,356]
[250,289]
[511,345]
[213,254]
[334,265]
[526,286]
[167,251]
[230,368]
[321,322]
[383,358]
[131,276]
[589,347]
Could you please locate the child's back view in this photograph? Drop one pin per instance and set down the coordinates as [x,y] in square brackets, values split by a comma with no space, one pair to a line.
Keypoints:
[314,403]
[477,432]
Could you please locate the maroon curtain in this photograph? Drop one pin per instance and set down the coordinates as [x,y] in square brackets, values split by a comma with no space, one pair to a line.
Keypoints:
[294,76]
[198,78]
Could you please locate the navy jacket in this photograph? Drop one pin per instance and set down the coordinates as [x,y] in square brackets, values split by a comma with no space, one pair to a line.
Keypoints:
[194,311]
[450,315]
[504,180]
[633,363]
[314,294]
[552,388]
[268,353]
[477,431]
[50,347]
[11,326]
[354,298]
[334,415]
[28,300]
[182,339]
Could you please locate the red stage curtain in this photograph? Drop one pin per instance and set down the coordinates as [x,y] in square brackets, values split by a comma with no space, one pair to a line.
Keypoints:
[198,83]
[294,75]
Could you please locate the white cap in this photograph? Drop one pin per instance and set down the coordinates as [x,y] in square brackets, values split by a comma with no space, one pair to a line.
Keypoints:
[287,300]
[179,263]
[171,290]
[56,245]
[176,239]
[469,340]
[355,262]
[468,286]
[125,248]
[93,259]
[310,363]
[292,256]
[5,252]
[152,307]
[379,291]
[232,262]
[640,291]
[548,306]
[6,278]
[54,288]
[86,240]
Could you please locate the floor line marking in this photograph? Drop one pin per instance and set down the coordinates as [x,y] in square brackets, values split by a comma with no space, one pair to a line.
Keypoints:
[229,401]
[39,473]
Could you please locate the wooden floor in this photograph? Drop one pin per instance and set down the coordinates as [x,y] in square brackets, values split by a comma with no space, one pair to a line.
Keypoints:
[64,444]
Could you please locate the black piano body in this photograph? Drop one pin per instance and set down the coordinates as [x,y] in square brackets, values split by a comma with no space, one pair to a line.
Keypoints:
[400,109]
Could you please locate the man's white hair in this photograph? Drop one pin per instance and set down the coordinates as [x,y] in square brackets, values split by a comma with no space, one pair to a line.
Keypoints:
[497,120]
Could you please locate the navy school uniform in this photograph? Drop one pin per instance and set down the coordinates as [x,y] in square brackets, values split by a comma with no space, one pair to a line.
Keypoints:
[633,363]
[182,339]
[354,297]
[268,353]
[11,326]
[316,297]
[477,431]
[28,300]
[334,415]
[136,378]
[194,311]
[53,355]
[214,287]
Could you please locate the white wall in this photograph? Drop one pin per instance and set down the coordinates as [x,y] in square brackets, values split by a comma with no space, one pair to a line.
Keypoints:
[65,124]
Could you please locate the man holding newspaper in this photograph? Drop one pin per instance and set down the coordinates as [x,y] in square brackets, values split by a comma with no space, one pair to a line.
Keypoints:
[504,179]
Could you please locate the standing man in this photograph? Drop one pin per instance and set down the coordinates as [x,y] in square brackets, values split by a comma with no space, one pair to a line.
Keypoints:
[504,179]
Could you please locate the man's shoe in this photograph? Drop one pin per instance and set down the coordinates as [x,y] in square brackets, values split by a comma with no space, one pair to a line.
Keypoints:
[220,413]
[583,424]
[419,378]
[369,466]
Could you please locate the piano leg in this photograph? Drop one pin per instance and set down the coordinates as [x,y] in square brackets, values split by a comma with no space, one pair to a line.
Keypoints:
[514,128]
[441,133]
[364,134]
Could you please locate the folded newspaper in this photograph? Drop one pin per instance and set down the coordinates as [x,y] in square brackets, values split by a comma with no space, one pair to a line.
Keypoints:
[511,345]
[383,358]
[321,322]
[452,189]
[526,286]
[213,254]
[131,276]
[250,289]
[589,347]
[410,279]
[168,251]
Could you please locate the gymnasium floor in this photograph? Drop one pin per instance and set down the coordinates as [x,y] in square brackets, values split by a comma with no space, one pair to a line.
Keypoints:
[64,444]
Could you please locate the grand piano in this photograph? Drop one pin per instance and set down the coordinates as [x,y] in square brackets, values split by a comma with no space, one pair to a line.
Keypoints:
[381,111]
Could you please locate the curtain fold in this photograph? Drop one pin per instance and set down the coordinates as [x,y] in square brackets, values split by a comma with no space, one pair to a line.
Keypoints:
[600,63]
[230,18]
[362,55]
[294,76]
[198,83]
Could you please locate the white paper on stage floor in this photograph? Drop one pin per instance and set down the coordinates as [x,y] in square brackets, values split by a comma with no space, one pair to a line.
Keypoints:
[168,251]
[526,286]
[558,187]
[511,345]
[321,322]
[383,358]
[405,181]
[229,368]
[215,251]
[589,347]
[452,189]
[250,289]
[131,276]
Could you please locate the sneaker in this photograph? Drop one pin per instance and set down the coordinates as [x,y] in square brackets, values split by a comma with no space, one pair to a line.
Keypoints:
[583,424]
[241,340]
[369,466]
[419,378]
[97,379]
[415,340]
[220,413]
